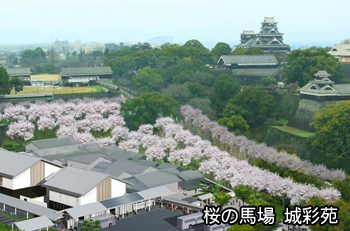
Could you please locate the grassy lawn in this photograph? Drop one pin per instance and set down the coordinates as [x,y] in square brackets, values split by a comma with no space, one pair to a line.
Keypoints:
[13,145]
[282,122]
[294,131]
[57,90]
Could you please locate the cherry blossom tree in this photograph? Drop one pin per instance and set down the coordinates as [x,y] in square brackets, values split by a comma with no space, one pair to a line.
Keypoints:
[120,133]
[105,141]
[65,131]
[155,153]
[146,129]
[15,113]
[130,145]
[45,123]
[221,136]
[116,120]
[100,125]
[22,130]
[83,138]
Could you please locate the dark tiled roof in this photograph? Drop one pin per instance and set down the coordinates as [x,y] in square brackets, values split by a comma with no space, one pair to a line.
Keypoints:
[82,71]
[13,72]
[249,59]
[55,142]
[190,175]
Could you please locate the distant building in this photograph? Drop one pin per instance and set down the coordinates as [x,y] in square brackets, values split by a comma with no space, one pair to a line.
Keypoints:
[22,73]
[62,47]
[268,39]
[248,61]
[115,47]
[83,75]
[322,89]
[341,52]
[82,72]
[45,79]
[250,68]
[158,41]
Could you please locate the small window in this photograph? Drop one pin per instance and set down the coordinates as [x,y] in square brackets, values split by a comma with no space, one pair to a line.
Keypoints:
[313,88]
[328,89]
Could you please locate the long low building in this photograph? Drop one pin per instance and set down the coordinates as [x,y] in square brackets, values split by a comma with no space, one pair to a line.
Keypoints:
[22,73]
[86,72]
[248,61]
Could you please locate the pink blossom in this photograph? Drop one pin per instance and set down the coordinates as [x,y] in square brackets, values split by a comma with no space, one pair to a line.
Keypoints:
[22,130]
[46,123]
[83,138]
[65,131]
[146,129]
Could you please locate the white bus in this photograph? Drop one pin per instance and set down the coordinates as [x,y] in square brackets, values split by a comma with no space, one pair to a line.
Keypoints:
[107,220]
[187,221]
[221,227]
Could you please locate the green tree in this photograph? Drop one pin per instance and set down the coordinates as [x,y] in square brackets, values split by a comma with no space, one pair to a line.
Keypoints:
[193,48]
[243,192]
[267,81]
[48,68]
[221,49]
[90,225]
[147,108]
[204,105]
[30,57]
[40,53]
[248,51]
[179,92]
[253,104]
[258,202]
[222,198]
[17,84]
[303,64]
[236,124]
[4,227]
[51,54]
[226,87]
[344,187]
[196,89]
[343,215]
[5,86]
[332,127]
[237,227]
[147,80]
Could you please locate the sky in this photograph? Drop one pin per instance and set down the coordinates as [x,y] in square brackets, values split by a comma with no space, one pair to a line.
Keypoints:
[304,22]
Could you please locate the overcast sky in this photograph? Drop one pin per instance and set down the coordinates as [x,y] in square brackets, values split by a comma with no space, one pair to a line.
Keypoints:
[42,21]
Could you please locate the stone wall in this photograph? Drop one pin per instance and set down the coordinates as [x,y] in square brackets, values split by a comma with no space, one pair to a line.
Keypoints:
[305,113]
[287,105]
[285,141]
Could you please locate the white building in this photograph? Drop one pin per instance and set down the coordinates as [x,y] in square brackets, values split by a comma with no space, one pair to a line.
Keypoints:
[73,187]
[19,172]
